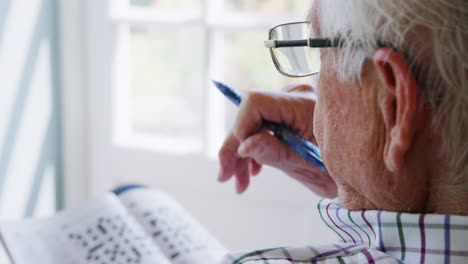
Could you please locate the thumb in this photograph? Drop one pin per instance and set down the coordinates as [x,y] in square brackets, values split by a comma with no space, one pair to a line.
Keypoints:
[267,149]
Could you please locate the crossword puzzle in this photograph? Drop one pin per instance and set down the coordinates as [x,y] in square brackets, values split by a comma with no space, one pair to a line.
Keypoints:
[111,240]
[147,229]
[175,235]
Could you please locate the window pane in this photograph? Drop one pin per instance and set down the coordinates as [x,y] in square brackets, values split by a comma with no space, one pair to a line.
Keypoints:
[165,80]
[169,4]
[269,7]
[248,63]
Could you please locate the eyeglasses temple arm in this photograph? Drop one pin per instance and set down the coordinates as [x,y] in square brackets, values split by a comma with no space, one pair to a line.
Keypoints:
[312,42]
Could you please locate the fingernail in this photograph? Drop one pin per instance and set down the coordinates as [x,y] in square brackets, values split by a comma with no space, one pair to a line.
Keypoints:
[243,150]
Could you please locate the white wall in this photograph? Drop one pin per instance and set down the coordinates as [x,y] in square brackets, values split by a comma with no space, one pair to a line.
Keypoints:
[29,128]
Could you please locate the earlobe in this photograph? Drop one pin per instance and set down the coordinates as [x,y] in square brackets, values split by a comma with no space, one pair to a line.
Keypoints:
[398,102]
[393,156]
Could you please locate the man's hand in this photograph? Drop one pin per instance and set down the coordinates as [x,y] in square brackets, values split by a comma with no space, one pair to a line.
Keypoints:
[250,146]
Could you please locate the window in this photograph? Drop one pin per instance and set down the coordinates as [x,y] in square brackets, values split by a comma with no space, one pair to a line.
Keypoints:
[153,116]
[172,49]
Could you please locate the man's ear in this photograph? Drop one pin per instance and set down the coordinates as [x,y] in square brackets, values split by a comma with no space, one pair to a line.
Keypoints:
[399,101]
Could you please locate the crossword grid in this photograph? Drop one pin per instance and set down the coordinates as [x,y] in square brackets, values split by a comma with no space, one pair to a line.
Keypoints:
[111,240]
[174,234]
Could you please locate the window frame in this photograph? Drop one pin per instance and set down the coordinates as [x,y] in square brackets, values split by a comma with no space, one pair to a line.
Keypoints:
[213,26]
[107,163]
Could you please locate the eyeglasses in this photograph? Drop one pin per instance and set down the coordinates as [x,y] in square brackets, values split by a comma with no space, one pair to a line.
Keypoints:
[294,52]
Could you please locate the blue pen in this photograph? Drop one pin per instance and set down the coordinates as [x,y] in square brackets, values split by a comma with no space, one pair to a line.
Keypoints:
[304,148]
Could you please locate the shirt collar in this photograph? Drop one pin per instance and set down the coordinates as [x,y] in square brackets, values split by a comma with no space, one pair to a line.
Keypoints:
[401,235]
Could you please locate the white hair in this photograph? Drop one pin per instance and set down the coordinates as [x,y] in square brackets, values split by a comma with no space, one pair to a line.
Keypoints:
[432,35]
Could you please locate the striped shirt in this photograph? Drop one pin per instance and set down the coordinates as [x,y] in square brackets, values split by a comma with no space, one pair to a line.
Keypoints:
[375,237]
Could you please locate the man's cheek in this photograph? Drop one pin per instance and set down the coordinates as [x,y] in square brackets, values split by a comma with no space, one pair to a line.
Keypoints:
[318,124]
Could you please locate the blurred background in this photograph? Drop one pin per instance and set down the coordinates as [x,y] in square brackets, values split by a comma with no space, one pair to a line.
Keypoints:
[98,93]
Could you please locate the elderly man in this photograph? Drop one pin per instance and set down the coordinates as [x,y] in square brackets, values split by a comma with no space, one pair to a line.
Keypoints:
[389,112]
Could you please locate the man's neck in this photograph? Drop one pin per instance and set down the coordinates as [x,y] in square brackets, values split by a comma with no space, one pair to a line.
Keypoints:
[448,199]
[445,195]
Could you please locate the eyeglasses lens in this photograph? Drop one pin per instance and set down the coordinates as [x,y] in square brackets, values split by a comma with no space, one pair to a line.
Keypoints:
[295,61]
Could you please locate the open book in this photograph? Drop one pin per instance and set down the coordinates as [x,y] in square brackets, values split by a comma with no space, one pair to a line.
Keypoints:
[129,225]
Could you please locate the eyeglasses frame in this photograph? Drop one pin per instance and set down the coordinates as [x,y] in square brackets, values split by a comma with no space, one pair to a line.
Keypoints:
[311,43]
